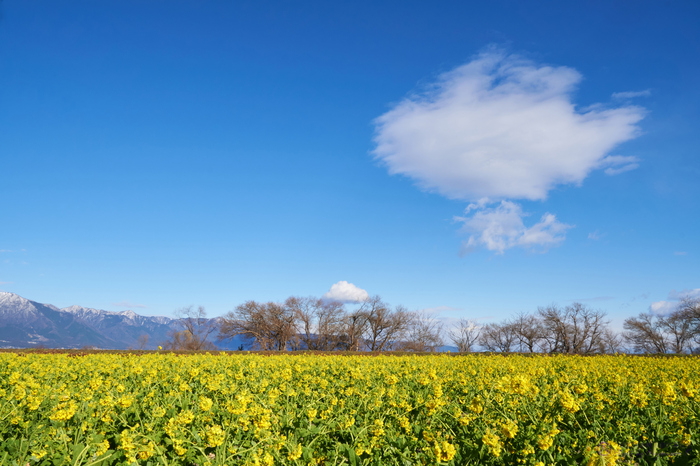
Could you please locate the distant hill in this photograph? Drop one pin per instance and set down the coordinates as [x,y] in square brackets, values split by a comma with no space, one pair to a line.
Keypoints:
[28,324]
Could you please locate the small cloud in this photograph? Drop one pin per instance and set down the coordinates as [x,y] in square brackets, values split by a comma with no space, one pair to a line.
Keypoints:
[5,250]
[674,297]
[346,293]
[619,164]
[500,228]
[680,253]
[596,235]
[129,305]
[661,307]
[6,283]
[618,170]
[631,94]
[678,295]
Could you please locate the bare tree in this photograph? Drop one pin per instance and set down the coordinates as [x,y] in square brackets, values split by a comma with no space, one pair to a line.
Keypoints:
[575,329]
[498,337]
[424,334]
[354,326]
[645,334]
[143,341]
[179,340]
[528,331]
[679,329]
[611,342]
[464,335]
[385,327]
[319,323]
[689,308]
[197,329]
[271,325]
[673,333]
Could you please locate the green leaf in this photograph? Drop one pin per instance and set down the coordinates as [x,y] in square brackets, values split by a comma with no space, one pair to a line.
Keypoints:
[306,454]
[352,456]
[77,449]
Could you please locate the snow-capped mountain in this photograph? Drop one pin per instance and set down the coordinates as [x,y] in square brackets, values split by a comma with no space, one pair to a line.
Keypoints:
[29,324]
[25,323]
[16,308]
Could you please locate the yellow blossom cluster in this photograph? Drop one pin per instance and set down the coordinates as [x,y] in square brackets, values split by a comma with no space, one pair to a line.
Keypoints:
[247,409]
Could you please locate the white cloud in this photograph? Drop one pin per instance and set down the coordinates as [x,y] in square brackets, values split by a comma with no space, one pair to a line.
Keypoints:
[678,295]
[595,236]
[346,293]
[674,297]
[680,253]
[502,227]
[631,94]
[661,307]
[129,305]
[501,127]
[619,164]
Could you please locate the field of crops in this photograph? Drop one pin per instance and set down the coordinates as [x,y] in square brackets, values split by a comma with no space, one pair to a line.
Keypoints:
[165,409]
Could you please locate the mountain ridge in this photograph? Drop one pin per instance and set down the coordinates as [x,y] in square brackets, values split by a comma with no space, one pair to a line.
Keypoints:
[27,324]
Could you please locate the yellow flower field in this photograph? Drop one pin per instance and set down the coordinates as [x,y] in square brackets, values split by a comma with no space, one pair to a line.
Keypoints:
[247,409]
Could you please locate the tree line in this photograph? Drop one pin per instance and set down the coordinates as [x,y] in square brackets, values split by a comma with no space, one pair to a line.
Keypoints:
[321,325]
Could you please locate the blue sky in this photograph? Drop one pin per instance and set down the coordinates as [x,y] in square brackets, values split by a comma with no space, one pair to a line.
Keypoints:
[161,154]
